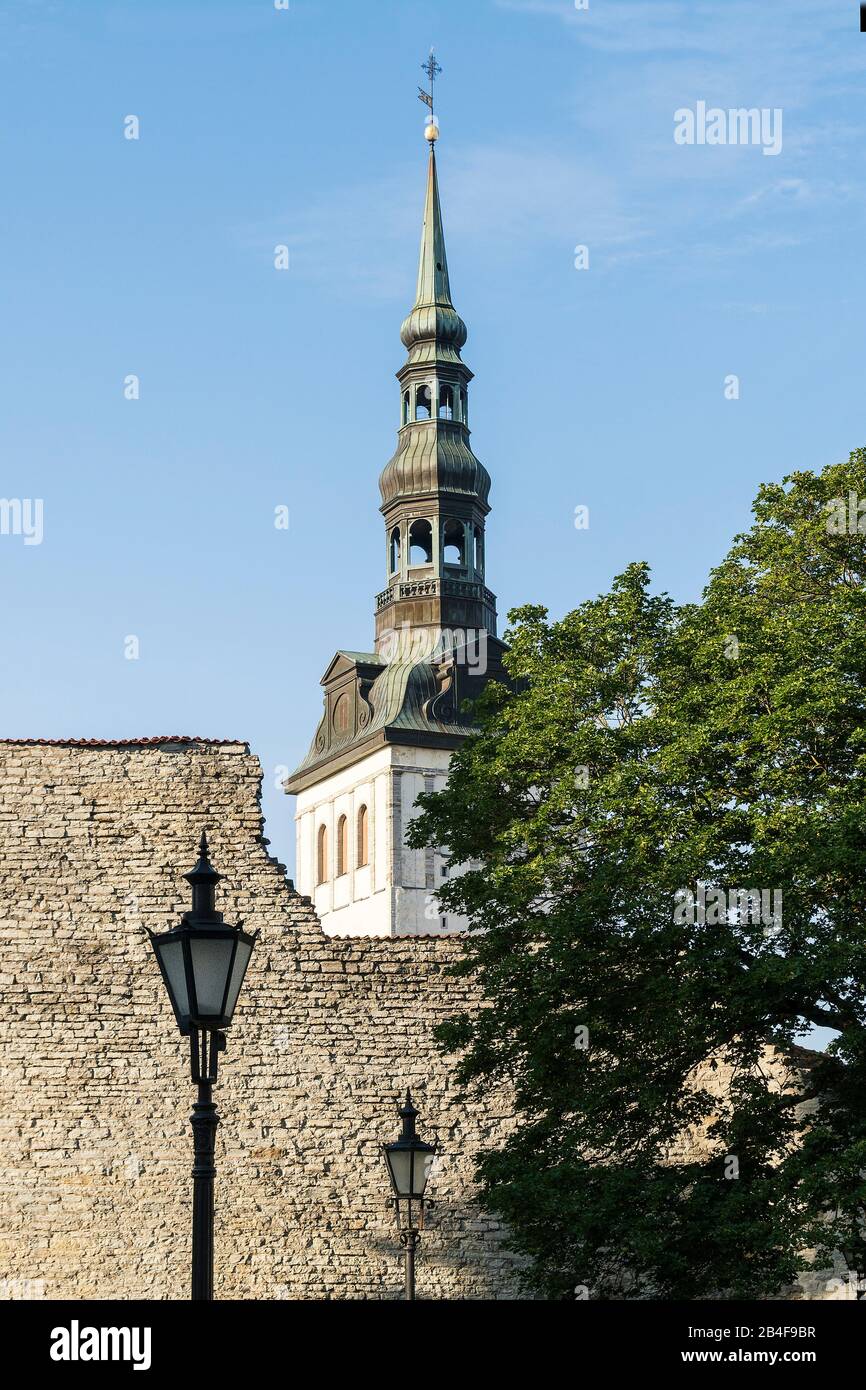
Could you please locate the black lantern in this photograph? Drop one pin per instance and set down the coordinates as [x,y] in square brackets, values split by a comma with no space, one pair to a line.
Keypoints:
[203,962]
[409,1161]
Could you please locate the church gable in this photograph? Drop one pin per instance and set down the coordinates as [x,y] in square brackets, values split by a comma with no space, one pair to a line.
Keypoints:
[347,713]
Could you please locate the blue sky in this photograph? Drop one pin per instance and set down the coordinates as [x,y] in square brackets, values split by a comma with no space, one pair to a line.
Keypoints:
[261,388]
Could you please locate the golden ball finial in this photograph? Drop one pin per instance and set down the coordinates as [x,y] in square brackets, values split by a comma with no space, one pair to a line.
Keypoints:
[431,132]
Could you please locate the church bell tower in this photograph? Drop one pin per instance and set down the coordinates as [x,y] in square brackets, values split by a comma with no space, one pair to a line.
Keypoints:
[393,716]
[434,490]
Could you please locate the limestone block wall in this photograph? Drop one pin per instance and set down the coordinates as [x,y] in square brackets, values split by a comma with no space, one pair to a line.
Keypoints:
[95,1146]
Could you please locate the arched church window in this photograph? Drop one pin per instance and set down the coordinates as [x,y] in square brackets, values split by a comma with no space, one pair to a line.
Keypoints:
[421,542]
[405,415]
[423,403]
[446,402]
[394,551]
[479,549]
[363,837]
[342,846]
[322,855]
[341,715]
[454,543]
[464,408]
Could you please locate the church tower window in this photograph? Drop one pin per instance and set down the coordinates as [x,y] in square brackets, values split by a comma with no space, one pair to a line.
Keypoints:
[423,403]
[394,551]
[421,542]
[446,402]
[322,856]
[479,550]
[341,715]
[405,415]
[454,543]
[342,846]
[363,837]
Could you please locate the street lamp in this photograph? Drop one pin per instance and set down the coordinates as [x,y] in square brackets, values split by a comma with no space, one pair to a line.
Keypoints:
[203,962]
[854,1254]
[409,1162]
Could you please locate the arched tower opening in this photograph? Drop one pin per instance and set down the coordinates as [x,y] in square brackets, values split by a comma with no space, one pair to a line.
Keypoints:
[420,542]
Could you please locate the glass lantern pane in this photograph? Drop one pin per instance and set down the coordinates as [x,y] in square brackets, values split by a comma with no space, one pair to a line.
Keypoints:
[171,956]
[242,958]
[211,961]
[400,1163]
[423,1164]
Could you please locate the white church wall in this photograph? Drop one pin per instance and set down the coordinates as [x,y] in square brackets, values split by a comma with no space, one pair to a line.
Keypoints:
[394,894]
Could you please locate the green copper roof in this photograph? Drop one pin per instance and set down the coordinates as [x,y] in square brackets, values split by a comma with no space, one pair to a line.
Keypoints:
[404,697]
[362,658]
[433,456]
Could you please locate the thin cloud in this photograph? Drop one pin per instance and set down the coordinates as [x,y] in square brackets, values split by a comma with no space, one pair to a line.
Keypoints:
[623,187]
[792,190]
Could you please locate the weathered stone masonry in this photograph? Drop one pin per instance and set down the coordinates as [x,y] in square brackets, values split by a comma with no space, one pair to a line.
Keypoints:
[95,1147]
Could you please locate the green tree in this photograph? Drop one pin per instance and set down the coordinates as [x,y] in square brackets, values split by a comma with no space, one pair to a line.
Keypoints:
[648,763]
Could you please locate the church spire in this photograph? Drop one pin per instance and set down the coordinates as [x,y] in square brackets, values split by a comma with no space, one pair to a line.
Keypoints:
[433,285]
[434,490]
[433,331]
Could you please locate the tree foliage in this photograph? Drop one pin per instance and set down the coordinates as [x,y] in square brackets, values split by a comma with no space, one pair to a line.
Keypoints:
[644,756]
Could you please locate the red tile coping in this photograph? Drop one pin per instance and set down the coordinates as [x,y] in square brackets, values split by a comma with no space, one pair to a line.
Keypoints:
[120,742]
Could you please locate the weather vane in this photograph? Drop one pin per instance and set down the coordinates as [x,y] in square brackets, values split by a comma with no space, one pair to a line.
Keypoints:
[432,69]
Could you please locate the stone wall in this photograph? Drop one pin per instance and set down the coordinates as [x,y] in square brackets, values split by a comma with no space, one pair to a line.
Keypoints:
[95,1146]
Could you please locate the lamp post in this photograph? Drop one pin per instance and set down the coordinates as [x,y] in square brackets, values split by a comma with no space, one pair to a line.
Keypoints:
[203,961]
[409,1160]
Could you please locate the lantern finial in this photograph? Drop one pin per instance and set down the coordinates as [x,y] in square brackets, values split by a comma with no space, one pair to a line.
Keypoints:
[204,879]
[408,1114]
